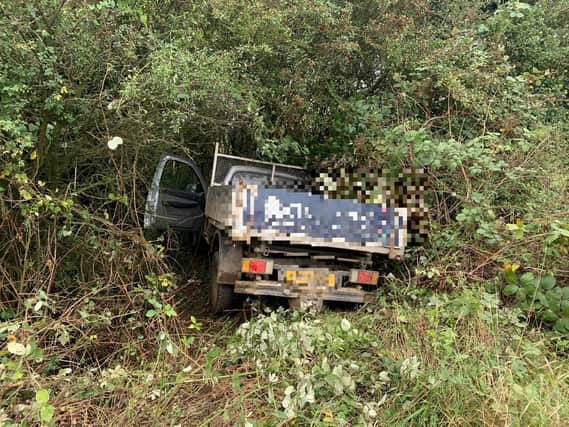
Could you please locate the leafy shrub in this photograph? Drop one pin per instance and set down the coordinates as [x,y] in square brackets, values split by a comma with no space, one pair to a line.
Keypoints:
[325,365]
[540,296]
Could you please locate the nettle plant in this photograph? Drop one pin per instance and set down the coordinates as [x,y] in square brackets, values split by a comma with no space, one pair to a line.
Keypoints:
[322,365]
[540,296]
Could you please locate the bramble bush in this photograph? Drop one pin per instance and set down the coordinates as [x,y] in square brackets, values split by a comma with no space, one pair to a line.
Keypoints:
[91,309]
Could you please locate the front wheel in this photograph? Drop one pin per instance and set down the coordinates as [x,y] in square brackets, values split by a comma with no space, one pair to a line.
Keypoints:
[221,297]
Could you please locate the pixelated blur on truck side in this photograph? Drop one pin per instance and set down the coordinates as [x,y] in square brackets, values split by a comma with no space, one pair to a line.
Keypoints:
[269,234]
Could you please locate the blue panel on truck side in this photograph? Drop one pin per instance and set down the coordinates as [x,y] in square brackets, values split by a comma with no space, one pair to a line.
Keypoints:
[285,211]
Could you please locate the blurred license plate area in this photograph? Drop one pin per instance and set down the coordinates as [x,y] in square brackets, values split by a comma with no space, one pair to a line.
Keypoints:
[308,277]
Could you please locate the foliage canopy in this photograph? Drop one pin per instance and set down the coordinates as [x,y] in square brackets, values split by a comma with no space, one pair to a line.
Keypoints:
[475,91]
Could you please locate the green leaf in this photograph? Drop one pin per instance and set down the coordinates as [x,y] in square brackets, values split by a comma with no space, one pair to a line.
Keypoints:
[511,277]
[554,298]
[527,280]
[42,396]
[169,311]
[150,313]
[547,282]
[560,230]
[280,414]
[511,290]
[522,295]
[169,347]
[565,308]
[550,317]
[213,354]
[63,337]
[16,348]
[235,383]
[155,303]
[562,325]
[542,300]
[46,413]
[25,194]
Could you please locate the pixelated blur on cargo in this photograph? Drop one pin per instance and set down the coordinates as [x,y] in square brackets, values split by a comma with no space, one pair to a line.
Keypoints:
[272,230]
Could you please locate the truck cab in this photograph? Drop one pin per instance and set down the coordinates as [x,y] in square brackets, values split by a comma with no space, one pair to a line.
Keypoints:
[268,234]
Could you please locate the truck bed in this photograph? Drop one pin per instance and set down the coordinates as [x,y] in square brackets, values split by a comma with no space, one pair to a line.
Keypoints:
[250,211]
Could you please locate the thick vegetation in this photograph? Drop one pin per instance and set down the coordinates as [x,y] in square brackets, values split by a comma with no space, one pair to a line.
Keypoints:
[100,324]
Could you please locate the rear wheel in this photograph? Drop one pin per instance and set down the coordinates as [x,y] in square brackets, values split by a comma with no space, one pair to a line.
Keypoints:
[221,297]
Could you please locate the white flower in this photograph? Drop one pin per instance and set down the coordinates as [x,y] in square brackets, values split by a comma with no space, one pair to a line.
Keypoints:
[345,325]
[154,394]
[114,142]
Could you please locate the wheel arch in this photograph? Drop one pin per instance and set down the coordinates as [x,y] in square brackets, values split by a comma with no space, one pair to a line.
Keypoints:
[230,256]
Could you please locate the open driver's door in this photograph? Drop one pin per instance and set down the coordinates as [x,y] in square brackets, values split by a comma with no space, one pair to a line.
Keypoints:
[177,196]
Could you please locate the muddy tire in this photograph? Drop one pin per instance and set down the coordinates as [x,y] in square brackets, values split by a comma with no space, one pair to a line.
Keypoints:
[221,297]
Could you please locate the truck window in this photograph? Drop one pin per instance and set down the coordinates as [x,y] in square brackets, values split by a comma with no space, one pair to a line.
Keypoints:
[251,178]
[181,177]
[261,177]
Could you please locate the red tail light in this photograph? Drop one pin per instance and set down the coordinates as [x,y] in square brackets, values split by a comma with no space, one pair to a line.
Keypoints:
[364,277]
[257,266]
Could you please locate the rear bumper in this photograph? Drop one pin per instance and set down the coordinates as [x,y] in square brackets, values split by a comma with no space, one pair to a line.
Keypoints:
[324,293]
